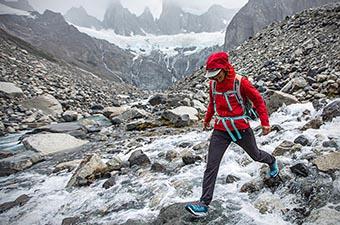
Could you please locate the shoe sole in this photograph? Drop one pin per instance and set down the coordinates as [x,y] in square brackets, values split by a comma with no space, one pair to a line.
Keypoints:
[195,213]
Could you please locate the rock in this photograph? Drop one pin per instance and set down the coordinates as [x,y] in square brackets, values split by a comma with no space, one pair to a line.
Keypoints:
[300,169]
[10,90]
[139,158]
[190,159]
[199,106]
[70,221]
[51,143]
[132,114]
[268,203]
[185,144]
[19,162]
[313,124]
[109,183]
[70,116]
[141,124]
[69,166]
[231,179]
[185,110]
[181,116]
[90,168]
[275,99]
[323,216]
[277,128]
[111,112]
[251,186]
[115,164]
[95,123]
[2,129]
[171,155]
[157,99]
[331,110]
[328,162]
[20,201]
[157,167]
[286,147]
[73,128]
[302,139]
[330,144]
[48,104]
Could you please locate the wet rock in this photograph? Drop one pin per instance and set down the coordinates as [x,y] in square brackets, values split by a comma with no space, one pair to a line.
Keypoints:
[268,203]
[171,155]
[2,129]
[331,111]
[133,114]
[277,128]
[139,158]
[275,99]
[157,167]
[115,164]
[141,124]
[109,183]
[4,155]
[20,201]
[251,186]
[323,216]
[95,123]
[272,182]
[185,144]
[286,147]
[319,104]
[10,90]
[302,139]
[51,143]
[190,159]
[330,144]
[157,99]
[300,169]
[328,162]
[72,128]
[231,179]
[181,116]
[69,166]
[70,221]
[48,104]
[90,168]
[70,116]
[19,162]
[313,124]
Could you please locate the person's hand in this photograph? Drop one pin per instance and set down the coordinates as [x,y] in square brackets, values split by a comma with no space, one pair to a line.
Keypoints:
[206,125]
[266,130]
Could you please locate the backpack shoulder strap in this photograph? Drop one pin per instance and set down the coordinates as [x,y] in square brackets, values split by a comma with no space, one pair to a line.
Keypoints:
[237,88]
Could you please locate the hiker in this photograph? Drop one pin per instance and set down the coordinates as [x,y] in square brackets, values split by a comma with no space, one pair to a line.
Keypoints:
[231,123]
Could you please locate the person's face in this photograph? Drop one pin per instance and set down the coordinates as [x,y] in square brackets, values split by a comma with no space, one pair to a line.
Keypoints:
[219,77]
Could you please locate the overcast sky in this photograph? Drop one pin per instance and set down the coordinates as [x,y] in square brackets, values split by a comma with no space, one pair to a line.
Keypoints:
[97,7]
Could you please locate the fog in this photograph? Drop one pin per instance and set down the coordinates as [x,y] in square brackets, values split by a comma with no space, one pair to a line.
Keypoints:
[97,8]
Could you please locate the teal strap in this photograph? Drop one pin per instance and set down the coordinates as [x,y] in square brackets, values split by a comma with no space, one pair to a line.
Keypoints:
[228,130]
[228,102]
[235,129]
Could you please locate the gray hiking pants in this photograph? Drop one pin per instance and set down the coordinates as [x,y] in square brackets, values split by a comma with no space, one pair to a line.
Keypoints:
[219,142]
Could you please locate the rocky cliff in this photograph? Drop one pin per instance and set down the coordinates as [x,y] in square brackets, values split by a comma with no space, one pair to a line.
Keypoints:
[79,17]
[257,14]
[19,4]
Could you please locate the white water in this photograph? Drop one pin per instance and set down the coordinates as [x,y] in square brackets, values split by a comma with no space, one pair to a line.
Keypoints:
[50,203]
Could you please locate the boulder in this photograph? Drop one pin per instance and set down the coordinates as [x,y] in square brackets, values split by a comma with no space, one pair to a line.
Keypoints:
[139,158]
[231,179]
[300,169]
[2,129]
[51,143]
[157,99]
[302,139]
[115,164]
[157,167]
[313,124]
[275,99]
[111,112]
[133,114]
[323,216]
[251,186]
[90,168]
[190,159]
[10,90]
[70,116]
[69,166]
[331,110]
[20,201]
[19,162]
[48,104]
[73,128]
[95,123]
[181,116]
[328,162]
[141,124]
[286,146]
[109,182]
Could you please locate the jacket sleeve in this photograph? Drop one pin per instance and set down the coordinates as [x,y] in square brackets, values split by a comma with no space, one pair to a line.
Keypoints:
[249,91]
[210,109]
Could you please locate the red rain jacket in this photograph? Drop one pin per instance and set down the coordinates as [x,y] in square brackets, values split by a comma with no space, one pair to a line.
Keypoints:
[220,60]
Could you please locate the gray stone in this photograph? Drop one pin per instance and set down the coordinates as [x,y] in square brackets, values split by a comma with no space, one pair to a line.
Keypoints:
[48,104]
[313,124]
[8,89]
[109,183]
[275,99]
[19,162]
[323,216]
[69,166]
[70,116]
[231,179]
[157,167]
[90,168]
[51,143]
[331,110]
[141,124]
[157,99]
[95,123]
[115,164]
[139,158]
[286,147]
[20,201]
[111,112]
[328,162]
[302,139]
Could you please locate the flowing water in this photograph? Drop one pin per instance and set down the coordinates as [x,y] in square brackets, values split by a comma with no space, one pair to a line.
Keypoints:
[141,194]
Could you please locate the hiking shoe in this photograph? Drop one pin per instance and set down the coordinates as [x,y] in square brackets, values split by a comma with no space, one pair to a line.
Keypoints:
[198,209]
[274,169]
